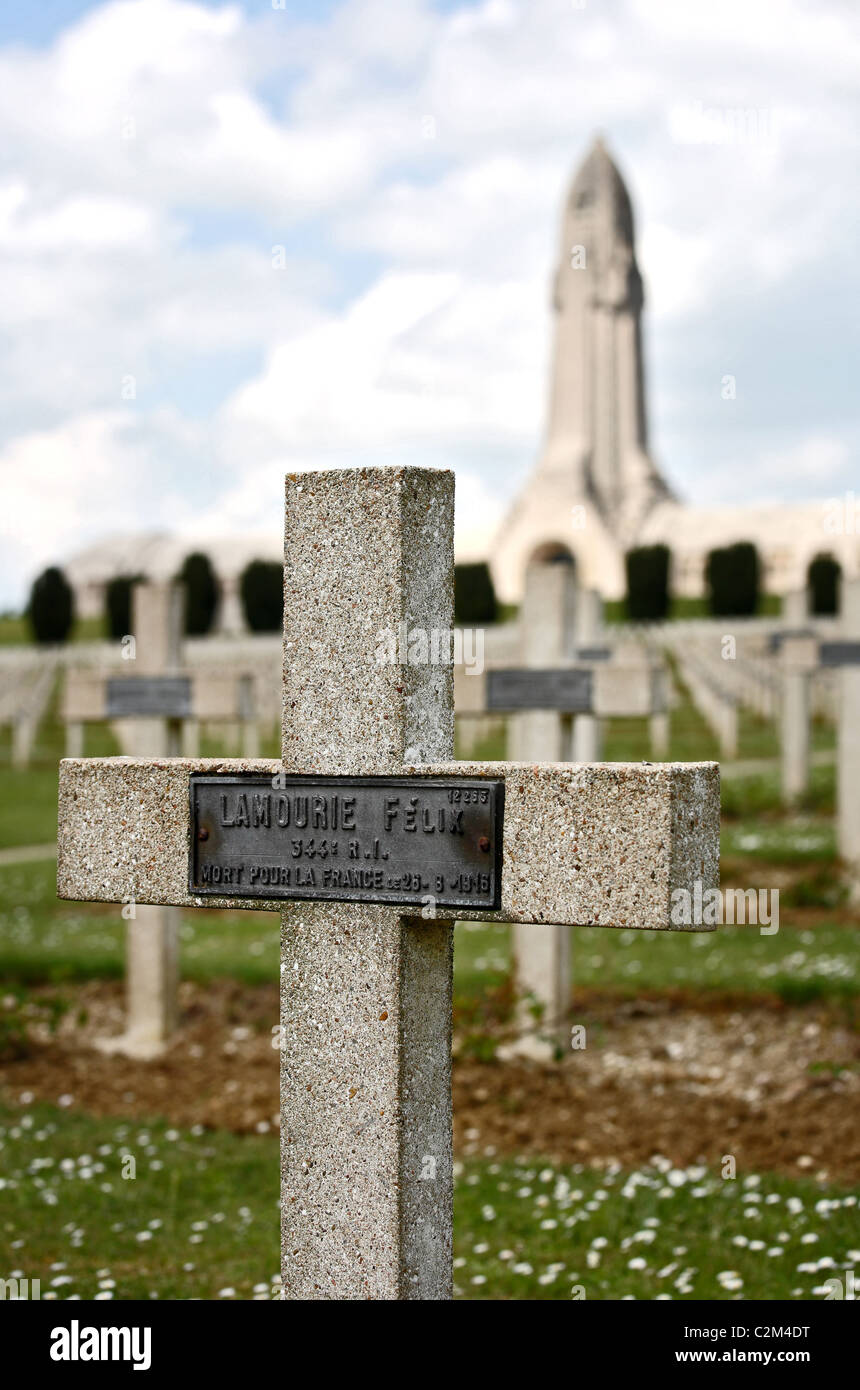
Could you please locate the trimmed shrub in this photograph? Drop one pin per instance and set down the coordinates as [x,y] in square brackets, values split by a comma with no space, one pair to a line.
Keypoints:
[118,604]
[647,569]
[201,593]
[823,581]
[732,580]
[262,592]
[51,609]
[474,595]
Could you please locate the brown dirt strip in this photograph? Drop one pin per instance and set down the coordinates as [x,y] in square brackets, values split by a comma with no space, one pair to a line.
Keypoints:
[690,1078]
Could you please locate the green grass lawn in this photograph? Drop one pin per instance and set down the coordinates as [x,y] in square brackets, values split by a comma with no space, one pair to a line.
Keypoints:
[615,610]
[199,1219]
[15,630]
[199,1216]
[799,965]
[43,939]
[759,794]
[797,839]
[527,1230]
[28,806]
[28,798]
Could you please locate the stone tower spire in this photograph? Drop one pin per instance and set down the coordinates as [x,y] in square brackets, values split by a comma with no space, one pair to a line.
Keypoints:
[596,448]
[597,419]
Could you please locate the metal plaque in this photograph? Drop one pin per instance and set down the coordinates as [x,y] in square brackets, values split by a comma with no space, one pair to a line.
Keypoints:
[157,697]
[569,690]
[776,639]
[593,653]
[412,841]
[839,653]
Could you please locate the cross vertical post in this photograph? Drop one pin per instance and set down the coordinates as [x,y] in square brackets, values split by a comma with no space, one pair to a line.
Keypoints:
[848,739]
[799,656]
[542,953]
[366,1150]
[587,735]
[152,933]
[376,847]
[547,615]
[795,698]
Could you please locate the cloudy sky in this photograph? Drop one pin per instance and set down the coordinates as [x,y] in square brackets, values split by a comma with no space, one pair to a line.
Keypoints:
[240,238]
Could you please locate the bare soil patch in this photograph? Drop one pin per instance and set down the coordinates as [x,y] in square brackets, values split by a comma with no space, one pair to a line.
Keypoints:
[690,1077]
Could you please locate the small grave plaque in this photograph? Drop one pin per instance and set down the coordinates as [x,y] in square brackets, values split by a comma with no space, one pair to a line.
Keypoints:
[568,690]
[593,653]
[840,653]
[161,697]
[398,840]
[776,639]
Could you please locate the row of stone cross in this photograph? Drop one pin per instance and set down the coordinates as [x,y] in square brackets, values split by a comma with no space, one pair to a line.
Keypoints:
[370,840]
[803,653]
[157,702]
[567,682]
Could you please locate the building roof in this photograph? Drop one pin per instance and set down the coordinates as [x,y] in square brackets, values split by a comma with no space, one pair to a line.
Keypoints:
[158,555]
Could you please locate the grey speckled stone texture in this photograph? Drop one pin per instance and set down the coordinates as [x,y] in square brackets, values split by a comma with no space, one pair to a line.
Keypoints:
[366,1153]
[366,1167]
[602,844]
[364,551]
[367,1181]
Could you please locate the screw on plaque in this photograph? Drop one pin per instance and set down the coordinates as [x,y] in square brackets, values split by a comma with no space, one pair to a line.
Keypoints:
[203,833]
[484,844]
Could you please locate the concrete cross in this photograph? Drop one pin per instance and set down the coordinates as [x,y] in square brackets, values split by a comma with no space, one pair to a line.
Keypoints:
[25,689]
[801,655]
[149,708]
[157,702]
[560,690]
[379,841]
[156,706]
[569,681]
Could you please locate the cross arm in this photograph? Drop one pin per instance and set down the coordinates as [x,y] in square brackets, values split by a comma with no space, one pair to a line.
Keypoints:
[91,696]
[583,844]
[602,844]
[124,826]
[606,691]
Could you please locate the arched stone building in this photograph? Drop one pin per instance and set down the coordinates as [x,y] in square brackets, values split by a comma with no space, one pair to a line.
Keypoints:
[159,556]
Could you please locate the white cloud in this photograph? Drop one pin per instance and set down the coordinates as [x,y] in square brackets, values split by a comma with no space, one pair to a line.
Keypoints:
[94,224]
[803,464]
[478,515]
[94,473]
[424,155]
[420,359]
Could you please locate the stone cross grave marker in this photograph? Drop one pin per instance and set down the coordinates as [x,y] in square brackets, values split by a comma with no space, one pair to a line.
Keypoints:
[154,710]
[801,655]
[25,690]
[149,707]
[568,682]
[590,645]
[158,699]
[370,840]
